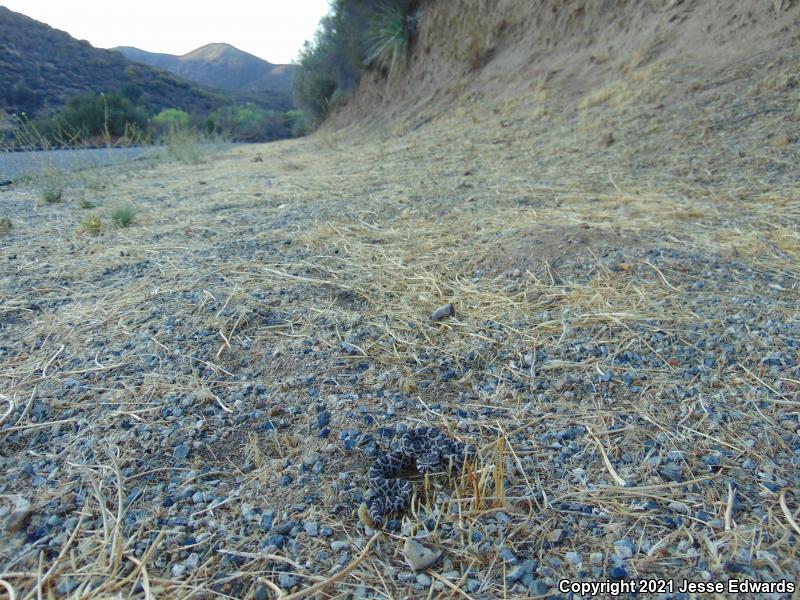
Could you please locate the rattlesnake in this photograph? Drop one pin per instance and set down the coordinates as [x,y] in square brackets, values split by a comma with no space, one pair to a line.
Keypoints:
[427,448]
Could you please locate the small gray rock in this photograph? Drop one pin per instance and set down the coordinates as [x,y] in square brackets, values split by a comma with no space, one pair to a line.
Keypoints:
[520,571]
[624,549]
[555,536]
[538,587]
[529,566]
[310,458]
[19,516]
[679,507]
[515,574]
[417,556]
[671,472]
[284,528]
[287,581]
[423,580]
[193,561]
[507,555]
[248,514]
[178,570]
[53,520]
[447,310]
[261,594]
[339,545]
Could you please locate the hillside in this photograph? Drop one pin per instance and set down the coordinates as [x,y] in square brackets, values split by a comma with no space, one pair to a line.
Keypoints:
[41,68]
[565,234]
[494,58]
[219,66]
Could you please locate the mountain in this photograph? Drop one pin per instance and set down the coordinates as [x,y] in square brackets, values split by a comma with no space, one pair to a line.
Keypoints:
[41,68]
[219,66]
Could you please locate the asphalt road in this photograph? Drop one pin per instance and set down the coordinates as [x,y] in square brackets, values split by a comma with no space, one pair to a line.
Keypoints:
[19,164]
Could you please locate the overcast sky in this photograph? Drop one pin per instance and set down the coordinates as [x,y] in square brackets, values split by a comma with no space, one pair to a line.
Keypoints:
[271,29]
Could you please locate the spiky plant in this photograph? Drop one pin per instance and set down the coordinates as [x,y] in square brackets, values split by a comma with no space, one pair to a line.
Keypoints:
[390,35]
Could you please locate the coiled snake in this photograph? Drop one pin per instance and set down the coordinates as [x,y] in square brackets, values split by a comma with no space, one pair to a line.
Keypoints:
[428,449]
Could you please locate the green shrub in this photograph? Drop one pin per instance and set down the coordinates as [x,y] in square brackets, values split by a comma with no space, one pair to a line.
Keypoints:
[247,124]
[123,216]
[90,116]
[313,84]
[356,34]
[297,123]
[106,115]
[52,193]
[169,120]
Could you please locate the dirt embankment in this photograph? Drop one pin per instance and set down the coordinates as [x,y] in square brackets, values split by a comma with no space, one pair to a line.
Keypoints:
[493,51]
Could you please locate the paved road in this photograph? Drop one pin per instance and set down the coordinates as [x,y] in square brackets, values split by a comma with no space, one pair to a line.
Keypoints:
[18,164]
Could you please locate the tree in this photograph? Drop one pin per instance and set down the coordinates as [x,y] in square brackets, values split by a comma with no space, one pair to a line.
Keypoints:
[170,120]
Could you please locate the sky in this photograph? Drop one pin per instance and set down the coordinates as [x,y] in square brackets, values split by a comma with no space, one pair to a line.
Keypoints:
[271,29]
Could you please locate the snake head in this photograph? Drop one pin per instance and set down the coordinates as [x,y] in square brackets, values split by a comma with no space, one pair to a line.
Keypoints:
[428,462]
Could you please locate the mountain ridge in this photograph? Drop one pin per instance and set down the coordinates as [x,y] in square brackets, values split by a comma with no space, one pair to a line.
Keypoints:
[42,67]
[218,65]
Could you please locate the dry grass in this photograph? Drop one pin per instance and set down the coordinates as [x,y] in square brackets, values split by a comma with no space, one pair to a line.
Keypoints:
[360,241]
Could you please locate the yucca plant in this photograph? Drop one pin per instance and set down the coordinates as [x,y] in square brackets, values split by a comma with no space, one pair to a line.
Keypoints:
[389,37]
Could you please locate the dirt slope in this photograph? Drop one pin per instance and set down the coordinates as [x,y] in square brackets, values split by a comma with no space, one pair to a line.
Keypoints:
[490,51]
[203,392]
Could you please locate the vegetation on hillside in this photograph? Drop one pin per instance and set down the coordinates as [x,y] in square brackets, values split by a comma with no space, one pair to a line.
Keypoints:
[248,124]
[42,68]
[90,116]
[356,35]
[114,119]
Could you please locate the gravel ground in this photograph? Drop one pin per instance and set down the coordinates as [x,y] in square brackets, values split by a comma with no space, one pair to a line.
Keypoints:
[192,402]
